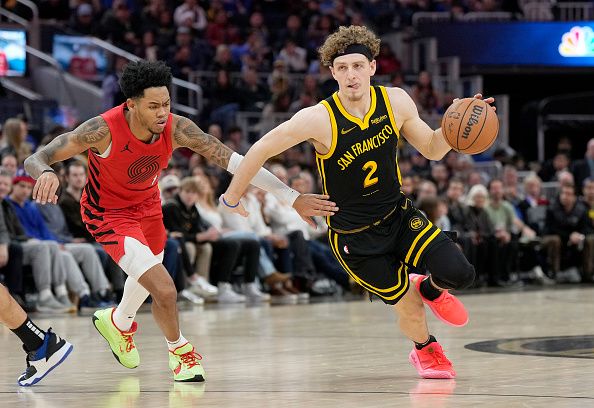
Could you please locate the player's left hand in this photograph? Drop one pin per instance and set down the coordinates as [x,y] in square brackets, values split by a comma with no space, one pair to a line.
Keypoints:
[489,100]
[310,205]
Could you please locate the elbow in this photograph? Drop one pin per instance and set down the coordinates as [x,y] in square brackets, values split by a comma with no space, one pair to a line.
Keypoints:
[27,164]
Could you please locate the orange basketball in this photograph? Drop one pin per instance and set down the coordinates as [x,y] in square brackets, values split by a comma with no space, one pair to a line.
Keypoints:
[470,126]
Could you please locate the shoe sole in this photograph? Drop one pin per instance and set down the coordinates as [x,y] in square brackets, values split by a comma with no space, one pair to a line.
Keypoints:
[432,374]
[196,378]
[96,319]
[428,303]
[60,357]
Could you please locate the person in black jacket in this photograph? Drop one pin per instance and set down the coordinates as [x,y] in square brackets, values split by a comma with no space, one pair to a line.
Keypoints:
[181,215]
[568,222]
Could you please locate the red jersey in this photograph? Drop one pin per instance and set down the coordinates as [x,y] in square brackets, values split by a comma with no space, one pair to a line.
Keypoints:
[128,175]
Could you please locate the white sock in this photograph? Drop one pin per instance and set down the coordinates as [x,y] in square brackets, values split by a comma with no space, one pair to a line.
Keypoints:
[177,343]
[45,294]
[134,296]
[61,290]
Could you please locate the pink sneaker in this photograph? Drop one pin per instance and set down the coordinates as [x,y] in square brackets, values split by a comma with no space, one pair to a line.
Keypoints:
[431,362]
[446,307]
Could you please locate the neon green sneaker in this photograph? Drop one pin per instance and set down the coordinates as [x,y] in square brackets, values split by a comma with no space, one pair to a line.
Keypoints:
[121,343]
[185,364]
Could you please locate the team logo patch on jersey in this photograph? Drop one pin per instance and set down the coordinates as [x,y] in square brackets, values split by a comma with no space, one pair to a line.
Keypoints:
[143,169]
[416,223]
[346,250]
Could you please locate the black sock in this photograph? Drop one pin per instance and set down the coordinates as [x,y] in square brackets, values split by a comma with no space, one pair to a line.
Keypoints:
[31,335]
[419,346]
[428,290]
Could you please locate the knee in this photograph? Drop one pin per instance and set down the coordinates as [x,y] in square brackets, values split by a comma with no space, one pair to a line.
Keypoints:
[166,294]
[466,276]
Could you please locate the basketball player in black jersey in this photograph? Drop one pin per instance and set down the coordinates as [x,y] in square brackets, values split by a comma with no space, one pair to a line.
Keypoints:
[376,234]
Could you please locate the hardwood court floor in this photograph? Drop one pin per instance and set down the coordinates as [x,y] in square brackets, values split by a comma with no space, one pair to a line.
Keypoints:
[346,354]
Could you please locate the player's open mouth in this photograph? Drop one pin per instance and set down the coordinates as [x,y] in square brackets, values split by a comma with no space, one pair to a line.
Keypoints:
[353,86]
[162,122]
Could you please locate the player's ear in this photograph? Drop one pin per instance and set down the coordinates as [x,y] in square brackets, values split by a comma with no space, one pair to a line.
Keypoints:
[373,67]
[332,71]
[130,103]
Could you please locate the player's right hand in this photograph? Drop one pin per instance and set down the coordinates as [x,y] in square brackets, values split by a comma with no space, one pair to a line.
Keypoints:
[46,188]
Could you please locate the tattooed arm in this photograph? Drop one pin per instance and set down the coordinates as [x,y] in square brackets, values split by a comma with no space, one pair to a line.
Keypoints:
[188,134]
[89,135]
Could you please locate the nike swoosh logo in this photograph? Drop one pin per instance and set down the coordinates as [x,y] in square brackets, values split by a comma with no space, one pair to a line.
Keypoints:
[344,132]
[405,206]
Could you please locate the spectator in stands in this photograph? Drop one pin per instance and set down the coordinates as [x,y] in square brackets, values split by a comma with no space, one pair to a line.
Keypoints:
[169,186]
[209,211]
[150,15]
[120,26]
[294,56]
[148,49]
[72,254]
[305,99]
[408,187]
[292,30]
[181,215]
[583,169]
[424,94]
[14,132]
[511,190]
[75,178]
[440,176]
[253,92]
[238,140]
[9,163]
[397,81]
[43,256]
[191,15]
[217,31]
[426,188]
[387,63]
[551,169]
[112,94]
[485,253]
[223,60]
[83,252]
[568,220]
[224,100]
[532,209]
[83,20]
[506,223]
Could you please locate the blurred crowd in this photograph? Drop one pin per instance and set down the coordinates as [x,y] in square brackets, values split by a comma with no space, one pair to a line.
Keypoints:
[518,223]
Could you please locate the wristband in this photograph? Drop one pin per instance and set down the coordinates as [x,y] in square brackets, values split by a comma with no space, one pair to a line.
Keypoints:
[229,205]
[48,171]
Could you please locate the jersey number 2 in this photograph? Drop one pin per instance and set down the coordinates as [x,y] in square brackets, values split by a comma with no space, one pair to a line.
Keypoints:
[369,179]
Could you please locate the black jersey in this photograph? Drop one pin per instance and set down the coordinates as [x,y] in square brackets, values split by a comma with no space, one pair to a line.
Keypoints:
[360,172]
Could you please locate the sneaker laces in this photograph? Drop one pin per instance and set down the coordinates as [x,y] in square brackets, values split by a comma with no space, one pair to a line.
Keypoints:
[438,356]
[127,337]
[190,358]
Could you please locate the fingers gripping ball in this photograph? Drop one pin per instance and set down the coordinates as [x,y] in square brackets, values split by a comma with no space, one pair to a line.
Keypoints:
[470,126]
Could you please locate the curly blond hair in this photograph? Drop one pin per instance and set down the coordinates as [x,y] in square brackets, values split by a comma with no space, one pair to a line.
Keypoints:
[338,41]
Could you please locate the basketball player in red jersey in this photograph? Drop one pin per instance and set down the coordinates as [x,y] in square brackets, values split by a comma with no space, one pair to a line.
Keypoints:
[128,146]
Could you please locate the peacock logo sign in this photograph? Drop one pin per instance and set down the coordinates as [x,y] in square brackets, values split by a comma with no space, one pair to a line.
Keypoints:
[578,42]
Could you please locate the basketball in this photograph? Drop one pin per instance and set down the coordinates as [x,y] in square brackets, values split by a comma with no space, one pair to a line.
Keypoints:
[470,126]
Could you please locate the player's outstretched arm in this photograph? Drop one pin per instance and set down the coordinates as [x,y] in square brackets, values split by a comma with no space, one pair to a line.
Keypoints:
[188,134]
[66,145]
[304,125]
